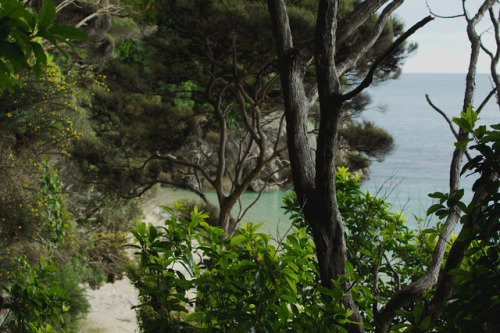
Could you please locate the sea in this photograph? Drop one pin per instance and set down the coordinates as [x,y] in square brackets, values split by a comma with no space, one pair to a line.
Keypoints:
[420,162]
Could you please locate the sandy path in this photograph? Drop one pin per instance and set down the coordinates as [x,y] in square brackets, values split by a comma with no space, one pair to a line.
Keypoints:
[111,305]
[110,308]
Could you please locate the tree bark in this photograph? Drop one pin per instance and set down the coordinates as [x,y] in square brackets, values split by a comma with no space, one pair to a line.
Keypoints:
[315,183]
[322,212]
[295,102]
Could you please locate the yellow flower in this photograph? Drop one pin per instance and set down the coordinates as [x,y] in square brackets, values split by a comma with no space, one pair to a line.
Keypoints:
[9,114]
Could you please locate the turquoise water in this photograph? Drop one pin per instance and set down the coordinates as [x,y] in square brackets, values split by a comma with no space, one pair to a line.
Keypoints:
[420,162]
[267,209]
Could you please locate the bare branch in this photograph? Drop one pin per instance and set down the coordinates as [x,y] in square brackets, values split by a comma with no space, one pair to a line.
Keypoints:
[487,99]
[198,167]
[430,278]
[448,121]
[63,4]
[438,110]
[456,256]
[369,77]
[441,16]
[312,96]
[396,275]
[494,58]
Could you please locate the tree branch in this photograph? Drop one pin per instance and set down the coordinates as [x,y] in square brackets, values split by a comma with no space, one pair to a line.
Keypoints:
[369,77]
[438,110]
[352,21]
[368,41]
[440,16]
[198,167]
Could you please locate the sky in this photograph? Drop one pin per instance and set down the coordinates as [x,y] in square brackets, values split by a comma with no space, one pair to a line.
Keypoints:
[443,43]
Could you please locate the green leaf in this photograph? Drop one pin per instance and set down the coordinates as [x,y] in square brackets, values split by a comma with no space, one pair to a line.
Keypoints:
[13,53]
[434,208]
[455,197]
[293,266]
[463,143]
[3,68]
[53,39]
[350,270]
[417,312]
[471,116]
[335,293]
[223,262]
[238,239]
[437,195]
[367,292]
[152,233]
[365,252]
[47,14]
[425,324]
[458,272]
[289,298]
[480,131]
[291,283]
[463,124]
[67,31]
[12,9]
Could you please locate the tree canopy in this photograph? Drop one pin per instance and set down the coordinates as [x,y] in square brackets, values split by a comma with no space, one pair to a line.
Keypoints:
[21,35]
[215,64]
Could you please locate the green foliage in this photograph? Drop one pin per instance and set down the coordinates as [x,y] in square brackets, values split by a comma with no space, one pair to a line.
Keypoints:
[21,34]
[126,128]
[40,295]
[36,301]
[356,161]
[246,282]
[369,139]
[241,283]
[383,252]
[475,303]
[34,121]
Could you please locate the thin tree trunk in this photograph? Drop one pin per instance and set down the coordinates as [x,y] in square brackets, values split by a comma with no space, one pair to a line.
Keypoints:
[455,257]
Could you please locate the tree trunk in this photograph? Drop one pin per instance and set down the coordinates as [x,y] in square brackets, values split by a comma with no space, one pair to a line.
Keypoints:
[314,183]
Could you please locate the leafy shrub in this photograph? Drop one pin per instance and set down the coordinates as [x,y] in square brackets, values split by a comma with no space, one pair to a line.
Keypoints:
[383,252]
[238,283]
[248,282]
[37,299]
[369,139]
[475,303]
[357,161]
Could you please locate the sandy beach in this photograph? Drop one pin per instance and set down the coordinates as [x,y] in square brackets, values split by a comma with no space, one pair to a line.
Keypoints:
[111,305]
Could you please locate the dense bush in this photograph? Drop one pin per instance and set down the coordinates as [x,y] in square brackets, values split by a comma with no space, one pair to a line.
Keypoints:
[45,253]
[475,303]
[368,138]
[250,282]
[39,292]
[241,283]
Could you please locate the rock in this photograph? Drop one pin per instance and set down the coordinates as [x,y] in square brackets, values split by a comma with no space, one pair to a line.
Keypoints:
[258,184]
